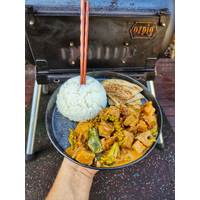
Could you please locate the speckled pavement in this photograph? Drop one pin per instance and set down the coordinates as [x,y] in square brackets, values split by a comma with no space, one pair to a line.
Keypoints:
[150,179]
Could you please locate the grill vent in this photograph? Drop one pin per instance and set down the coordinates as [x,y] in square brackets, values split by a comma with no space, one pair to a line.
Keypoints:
[124,52]
[116,52]
[106,53]
[98,53]
[90,53]
[63,54]
[72,53]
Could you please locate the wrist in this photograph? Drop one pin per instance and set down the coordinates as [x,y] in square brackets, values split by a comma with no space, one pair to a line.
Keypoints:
[77,169]
[79,180]
[73,182]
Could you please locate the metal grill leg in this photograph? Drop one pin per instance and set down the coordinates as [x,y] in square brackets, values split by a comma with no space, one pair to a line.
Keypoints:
[45,89]
[150,86]
[33,121]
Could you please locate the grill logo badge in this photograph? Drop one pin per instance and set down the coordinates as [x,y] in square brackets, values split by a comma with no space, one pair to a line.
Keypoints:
[143,30]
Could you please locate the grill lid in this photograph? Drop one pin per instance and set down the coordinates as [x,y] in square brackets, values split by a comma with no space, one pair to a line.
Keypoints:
[123,35]
[99,6]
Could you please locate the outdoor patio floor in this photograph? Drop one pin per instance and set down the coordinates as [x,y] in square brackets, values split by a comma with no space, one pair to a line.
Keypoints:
[151,178]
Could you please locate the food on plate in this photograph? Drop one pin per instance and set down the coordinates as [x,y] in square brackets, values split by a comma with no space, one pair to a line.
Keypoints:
[81,103]
[132,101]
[135,100]
[120,91]
[143,137]
[85,157]
[94,142]
[138,147]
[117,136]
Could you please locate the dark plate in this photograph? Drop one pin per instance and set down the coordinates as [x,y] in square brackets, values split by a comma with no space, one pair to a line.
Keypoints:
[58,126]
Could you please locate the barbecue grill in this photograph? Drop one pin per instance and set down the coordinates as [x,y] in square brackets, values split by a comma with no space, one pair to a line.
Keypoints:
[124,36]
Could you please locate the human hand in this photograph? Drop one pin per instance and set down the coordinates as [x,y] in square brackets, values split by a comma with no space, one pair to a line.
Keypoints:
[73,182]
[86,171]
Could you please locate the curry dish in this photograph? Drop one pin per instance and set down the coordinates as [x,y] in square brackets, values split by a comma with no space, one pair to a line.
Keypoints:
[119,135]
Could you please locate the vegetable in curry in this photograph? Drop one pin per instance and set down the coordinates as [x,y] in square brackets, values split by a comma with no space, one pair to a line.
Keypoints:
[117,136]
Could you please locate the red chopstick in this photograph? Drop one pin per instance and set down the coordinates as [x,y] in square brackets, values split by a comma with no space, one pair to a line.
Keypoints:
[87,9]
[82,40]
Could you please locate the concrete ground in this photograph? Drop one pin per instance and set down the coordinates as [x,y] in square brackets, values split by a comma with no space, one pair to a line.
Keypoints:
[42,170]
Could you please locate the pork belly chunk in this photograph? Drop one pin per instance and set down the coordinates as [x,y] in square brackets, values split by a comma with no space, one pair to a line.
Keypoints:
[86,157]
[114,111]
[138,147]
[131,120]
[105,129]
[128,111]
[139,128]
[129,138]
[143,137]
[150,120]
[148,109]
[106,143]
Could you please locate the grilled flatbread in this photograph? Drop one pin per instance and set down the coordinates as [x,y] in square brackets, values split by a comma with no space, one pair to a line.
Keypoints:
[110,102]
[135,98]
[120,91]
[133,101]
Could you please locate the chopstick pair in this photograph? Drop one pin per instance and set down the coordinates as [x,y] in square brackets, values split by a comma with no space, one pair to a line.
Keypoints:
[84,29]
